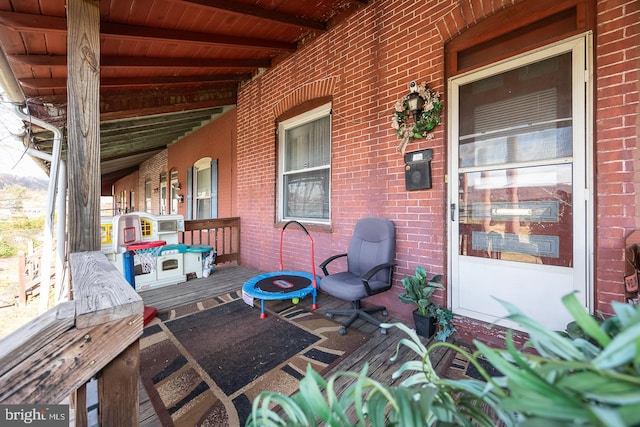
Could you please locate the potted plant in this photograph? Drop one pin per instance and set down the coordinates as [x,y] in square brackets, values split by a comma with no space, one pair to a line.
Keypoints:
[429,317]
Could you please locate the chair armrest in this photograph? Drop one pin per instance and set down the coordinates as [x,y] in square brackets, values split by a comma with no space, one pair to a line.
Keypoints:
[369,274]
[326,262]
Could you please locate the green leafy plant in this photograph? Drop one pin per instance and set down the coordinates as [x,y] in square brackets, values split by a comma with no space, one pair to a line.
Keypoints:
[422,399]
[418,291]
[590,380]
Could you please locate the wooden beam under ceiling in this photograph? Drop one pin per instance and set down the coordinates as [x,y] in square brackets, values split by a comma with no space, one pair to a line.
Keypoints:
[139,82]
[26,22]
[106,128]
[139,103]
[109,62]
[258,12]
[126,149]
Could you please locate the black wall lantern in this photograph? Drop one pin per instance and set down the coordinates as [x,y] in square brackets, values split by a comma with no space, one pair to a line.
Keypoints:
[414,101]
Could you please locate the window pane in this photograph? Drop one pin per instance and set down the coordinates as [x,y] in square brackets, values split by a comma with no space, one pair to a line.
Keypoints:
[306,195]
[203,182]
[521,115]
[147,196]
[203,208]
[522,214]
[163,198]
[308,145]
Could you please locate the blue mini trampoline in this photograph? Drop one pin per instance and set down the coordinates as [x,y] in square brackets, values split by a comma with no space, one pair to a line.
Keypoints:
[281,285]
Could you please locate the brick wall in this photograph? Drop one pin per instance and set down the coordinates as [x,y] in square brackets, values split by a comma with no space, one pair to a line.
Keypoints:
[218,141]
[128,184]
[365,64]
[151,169]
[617,158]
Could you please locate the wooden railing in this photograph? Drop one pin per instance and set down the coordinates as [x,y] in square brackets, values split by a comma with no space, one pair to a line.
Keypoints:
[223,234]
[57,353]
[29,275]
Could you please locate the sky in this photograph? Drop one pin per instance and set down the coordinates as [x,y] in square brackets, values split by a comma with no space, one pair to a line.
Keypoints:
[13,159]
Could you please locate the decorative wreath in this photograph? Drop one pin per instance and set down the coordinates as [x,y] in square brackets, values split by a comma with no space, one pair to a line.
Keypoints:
[428,119]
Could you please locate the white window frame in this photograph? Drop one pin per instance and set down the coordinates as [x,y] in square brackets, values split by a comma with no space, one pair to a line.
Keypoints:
[309,116]
[201,165]
[175,189]
[147,195]
[162,206]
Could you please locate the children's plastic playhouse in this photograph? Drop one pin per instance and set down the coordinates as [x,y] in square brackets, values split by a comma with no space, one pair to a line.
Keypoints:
[153,243]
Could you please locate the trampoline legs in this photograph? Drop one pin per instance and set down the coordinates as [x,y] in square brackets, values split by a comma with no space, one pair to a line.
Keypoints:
[263,315]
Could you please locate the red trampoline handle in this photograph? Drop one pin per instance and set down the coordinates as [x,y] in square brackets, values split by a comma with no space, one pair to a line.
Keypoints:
[313,268]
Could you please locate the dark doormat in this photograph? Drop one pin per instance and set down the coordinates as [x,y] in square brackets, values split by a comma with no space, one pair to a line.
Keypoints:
[461,368]
[204,363]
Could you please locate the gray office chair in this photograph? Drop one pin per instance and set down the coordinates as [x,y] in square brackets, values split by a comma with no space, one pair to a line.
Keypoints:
[369,269]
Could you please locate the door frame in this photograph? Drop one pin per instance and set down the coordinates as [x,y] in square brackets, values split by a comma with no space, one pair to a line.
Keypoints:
[584,158]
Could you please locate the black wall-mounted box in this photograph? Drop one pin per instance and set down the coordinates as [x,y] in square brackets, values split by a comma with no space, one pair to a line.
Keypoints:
[417,169]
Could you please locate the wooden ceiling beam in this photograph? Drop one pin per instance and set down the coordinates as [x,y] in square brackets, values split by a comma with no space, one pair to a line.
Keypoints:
[153,132]
[139,103]
[106,128]
[119,174]
[245,9]
[135,146]
[168,108]
[60,84]
[25,22]
[32,22]
[108,62]
[136,32]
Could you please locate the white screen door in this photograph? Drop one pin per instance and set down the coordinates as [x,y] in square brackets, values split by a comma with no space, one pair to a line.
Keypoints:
[519,197]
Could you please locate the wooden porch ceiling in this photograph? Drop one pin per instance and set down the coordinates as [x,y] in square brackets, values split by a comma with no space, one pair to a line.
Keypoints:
[167,67]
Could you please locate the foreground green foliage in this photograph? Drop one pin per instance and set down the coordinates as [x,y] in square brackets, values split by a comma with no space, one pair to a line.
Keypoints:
[590,377]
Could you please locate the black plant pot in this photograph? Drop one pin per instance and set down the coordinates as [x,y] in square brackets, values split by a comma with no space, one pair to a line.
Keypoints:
[425,326]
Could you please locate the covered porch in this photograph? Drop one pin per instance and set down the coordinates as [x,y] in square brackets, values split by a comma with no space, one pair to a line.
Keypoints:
[376,351]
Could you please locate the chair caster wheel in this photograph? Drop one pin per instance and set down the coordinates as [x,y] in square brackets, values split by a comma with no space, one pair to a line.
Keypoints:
[342,331]
[385,313]
[383,331]
[329,315]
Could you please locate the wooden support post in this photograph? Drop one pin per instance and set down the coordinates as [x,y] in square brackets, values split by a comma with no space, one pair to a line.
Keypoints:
[22,282]
[79,405]
[119,389]
[83,123]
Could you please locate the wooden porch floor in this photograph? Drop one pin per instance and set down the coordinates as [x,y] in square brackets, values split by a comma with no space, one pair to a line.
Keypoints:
[376,351]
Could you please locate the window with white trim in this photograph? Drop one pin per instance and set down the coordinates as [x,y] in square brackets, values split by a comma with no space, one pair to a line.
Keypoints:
[147,195]
[202,189]
[163,194]
[202,186]
[304,170]
[175,189]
